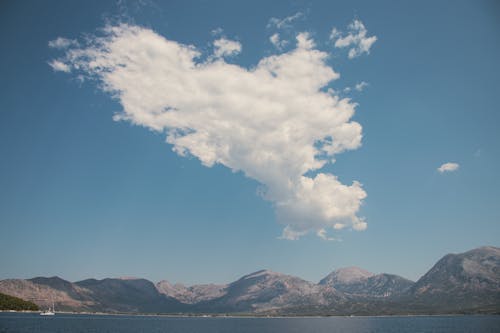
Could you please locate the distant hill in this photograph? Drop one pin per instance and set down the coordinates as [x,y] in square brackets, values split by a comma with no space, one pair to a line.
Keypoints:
[458,283]
[8,302]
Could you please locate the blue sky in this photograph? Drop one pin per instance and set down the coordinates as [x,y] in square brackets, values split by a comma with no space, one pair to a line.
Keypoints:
[83,194]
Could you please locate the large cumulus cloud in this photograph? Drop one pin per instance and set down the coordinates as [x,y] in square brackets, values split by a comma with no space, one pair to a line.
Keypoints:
[276,122]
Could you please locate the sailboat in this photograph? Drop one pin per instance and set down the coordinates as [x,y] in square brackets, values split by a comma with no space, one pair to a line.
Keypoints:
[49,311]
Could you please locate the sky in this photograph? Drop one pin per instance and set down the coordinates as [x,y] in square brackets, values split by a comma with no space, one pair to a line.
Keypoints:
[198,141]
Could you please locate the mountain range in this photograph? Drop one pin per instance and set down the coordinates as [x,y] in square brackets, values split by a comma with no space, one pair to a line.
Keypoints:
[458,283]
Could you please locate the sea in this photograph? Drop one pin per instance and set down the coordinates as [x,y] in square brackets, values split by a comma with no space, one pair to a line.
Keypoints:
[33,322]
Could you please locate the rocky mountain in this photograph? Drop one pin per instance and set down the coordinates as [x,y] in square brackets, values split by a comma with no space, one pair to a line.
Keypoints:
[462,281]
[345,276]
[44,291]
[358,282]
[193,294]
[458,283]
[129,295]
[107,295]
[268,291]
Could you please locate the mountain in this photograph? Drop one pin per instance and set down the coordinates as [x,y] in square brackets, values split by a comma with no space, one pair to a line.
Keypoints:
[345,276]
[107,295]
[358,282]
[458,283]
[129,295]
[462,282]
[193,294]
[44,291]
[265,290]
[65,292]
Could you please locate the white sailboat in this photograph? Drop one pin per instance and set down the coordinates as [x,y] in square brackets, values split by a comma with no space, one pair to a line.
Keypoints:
[49,312]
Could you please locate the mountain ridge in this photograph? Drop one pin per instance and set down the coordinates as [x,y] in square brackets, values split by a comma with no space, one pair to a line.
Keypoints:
[467,282]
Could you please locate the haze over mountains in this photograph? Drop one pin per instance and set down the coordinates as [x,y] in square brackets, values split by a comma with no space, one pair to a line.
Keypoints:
[458,283]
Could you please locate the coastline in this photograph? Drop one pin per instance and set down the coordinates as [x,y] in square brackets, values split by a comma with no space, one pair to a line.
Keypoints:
[250,316]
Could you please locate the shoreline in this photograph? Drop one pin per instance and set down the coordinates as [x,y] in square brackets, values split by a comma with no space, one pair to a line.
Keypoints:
[250,316]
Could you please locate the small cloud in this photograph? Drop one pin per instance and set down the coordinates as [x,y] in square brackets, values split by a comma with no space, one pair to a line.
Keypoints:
[59,66]
[226,48]
[304,41]
[62,43]
[448,167]
[289,233]
[277,42]
[359,225]
[361,86]
[477,153]
[356,38]
[322,234]
[217,31]
[334,34]
[284,23]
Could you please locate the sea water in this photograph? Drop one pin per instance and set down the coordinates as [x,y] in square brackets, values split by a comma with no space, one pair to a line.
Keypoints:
[32,322]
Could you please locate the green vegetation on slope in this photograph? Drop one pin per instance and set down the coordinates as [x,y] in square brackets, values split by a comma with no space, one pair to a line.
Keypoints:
[8,302]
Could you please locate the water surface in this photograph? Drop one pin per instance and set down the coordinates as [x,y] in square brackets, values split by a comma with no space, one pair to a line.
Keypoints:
[27,322]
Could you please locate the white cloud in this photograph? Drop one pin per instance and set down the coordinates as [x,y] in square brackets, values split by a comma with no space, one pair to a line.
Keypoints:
[277,42]
[275,39]
[448,167]
[284,23]
[361,86]
[225,47]
[323,235]
[217,31]
[59,66]
[356,39]
[274,122]
[358,87]
[334,34]
[62,43]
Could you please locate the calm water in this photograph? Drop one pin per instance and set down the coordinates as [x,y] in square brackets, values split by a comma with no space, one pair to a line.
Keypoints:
[14,322]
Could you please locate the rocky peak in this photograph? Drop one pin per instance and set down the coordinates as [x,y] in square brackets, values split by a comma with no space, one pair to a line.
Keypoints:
[264,273]
[474,270]
[345,275]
